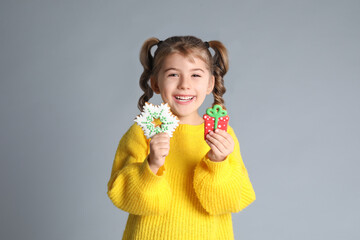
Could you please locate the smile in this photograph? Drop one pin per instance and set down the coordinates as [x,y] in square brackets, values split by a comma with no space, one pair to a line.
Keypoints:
[184,99]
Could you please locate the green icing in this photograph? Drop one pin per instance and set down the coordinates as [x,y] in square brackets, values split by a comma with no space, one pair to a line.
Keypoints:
[216,112]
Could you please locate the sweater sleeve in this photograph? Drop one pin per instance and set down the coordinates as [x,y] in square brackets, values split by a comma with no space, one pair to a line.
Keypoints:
[223,187]
[133,187]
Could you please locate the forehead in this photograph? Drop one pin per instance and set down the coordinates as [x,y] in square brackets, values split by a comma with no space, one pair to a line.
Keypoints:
[182,60]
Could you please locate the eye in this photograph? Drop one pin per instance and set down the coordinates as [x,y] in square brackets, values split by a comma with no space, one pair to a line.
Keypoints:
[173,75]
[196,75]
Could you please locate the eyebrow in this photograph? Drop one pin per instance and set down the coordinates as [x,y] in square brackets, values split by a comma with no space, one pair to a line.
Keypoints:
[194,69]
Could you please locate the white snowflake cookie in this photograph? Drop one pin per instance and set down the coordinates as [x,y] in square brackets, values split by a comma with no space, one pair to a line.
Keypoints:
[156,119]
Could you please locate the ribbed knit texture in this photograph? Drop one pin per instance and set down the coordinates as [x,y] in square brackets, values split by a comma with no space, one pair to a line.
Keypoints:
[190,197]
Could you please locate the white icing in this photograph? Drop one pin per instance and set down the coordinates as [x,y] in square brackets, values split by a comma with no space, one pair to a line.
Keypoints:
[169,121]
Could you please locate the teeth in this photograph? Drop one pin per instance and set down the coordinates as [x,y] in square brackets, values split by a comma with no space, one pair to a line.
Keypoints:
[183,98]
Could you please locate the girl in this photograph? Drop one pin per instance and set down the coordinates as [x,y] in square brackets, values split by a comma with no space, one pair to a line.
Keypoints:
[183,187]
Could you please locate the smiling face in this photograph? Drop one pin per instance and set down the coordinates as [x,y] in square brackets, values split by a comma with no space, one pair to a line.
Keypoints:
[183,82]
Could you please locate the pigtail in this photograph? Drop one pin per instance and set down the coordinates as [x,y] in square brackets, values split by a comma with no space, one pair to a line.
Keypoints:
[146,60]
[220,67]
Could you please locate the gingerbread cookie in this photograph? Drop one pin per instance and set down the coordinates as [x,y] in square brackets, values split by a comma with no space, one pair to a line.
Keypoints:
[215,118]
[155,119]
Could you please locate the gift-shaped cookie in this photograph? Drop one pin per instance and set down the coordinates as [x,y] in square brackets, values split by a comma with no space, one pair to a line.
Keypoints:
[214,118]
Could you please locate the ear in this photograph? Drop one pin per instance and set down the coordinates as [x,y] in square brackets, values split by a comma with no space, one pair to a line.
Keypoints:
[154,85]
[210,85]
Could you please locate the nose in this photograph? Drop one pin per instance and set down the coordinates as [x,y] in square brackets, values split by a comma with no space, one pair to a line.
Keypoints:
[184,83]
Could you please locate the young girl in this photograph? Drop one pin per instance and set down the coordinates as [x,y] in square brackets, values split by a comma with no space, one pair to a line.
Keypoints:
[181,187]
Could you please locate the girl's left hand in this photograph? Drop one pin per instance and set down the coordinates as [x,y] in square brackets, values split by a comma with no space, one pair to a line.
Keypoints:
[221,143]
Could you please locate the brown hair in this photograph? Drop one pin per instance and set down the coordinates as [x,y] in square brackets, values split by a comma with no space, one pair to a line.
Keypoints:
[188,46]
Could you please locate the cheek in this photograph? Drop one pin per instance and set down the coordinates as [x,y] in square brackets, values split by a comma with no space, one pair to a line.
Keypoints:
[168,85]
[166,90]
[203,87]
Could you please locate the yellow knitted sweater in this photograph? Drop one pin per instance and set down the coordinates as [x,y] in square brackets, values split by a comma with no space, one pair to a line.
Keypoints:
[190,197]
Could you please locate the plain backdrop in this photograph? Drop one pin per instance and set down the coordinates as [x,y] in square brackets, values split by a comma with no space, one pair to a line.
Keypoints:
[69,89]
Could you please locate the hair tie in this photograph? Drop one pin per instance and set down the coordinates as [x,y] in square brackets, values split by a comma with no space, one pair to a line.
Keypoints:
[160,41]
[207,44]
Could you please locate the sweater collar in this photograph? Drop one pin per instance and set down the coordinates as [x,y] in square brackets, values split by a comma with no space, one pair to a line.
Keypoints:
[191,128]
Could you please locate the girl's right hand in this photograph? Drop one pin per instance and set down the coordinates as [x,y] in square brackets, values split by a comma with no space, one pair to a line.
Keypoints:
[159,149]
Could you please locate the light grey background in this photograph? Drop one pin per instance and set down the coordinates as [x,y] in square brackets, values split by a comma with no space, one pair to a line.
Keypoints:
[69,89]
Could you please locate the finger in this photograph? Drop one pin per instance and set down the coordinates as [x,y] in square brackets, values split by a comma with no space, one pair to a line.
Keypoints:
[159,141]
[158,150]
[161,152]
[228,141]
[163,139]
[217,146]
[164,153]
[160,138]
[213,148]
[162,134]
[218,140]
[162,146]
[226,136]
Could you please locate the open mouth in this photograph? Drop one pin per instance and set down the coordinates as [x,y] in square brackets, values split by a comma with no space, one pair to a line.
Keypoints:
[184,98]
